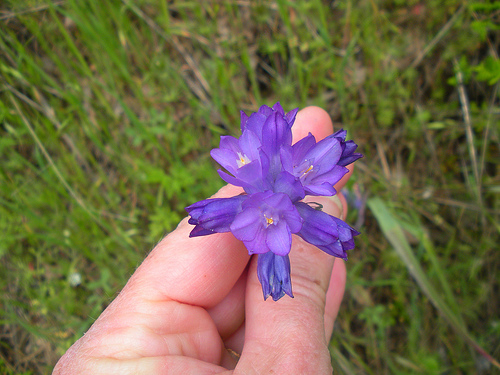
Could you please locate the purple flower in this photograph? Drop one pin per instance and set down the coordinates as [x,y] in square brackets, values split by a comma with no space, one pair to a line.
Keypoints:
[274,129]
[326,232]
[316,164]
[244,159]
[266,223]
[214,215]
[290,185]
[273,272]
[348,148]
[276,176]
[255,122]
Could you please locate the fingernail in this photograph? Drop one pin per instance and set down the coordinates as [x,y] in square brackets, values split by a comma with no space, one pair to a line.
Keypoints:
[331,205]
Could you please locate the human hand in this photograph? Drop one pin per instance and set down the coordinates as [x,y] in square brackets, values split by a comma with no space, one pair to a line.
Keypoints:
[192,299]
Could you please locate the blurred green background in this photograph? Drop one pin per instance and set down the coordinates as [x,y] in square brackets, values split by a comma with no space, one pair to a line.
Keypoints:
[108,110]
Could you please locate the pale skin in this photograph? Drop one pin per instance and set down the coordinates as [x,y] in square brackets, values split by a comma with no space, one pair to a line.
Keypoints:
[192,299]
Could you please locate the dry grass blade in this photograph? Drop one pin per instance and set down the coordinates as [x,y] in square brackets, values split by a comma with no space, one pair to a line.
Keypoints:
[49,113]
[174,40]
[77,198]
[10,15]
[464,205]
[464,102]
[437,38]
[487,131]
[58,173]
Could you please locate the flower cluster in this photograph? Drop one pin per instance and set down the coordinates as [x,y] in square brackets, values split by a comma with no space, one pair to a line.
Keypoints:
[276,176]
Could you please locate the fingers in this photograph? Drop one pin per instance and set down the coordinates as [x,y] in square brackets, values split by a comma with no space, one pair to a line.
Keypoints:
[336,289]
[230,313]
[208,273]
[339,185]
[197,271]
[139,366]
[201,271]
[334,296]
[290,335]
[158,312]
[320,124]
[291,332]
[313,120]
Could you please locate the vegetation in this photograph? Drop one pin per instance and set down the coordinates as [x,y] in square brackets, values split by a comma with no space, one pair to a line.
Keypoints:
[108,110]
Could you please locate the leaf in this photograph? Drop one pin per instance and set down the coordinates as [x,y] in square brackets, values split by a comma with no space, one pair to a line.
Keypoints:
[488,70]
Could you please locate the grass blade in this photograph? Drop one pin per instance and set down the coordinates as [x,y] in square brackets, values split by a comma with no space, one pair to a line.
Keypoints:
[394,233]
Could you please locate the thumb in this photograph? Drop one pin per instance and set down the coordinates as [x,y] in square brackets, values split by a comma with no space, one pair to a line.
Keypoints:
[288,336]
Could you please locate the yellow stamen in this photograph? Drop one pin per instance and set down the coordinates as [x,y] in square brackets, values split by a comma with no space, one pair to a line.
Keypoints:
[269,220]
[243,159]
[307,170]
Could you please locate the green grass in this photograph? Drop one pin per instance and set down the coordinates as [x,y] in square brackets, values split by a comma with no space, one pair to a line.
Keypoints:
[108,110]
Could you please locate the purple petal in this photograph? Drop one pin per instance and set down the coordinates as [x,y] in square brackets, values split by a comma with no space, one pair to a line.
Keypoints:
[246,224]
[277,133]
[258,245]
[230,143]
[265,110]
[270,130]
[286,159]
[278,201]
[325,189]
[235,181]
[300,149]
[250,144]
[243,121]
[333,176]
[255,123]
[291,186]
[256,199]
[279,238]
[348,148]
[249,177]
[349,159]
[290,116]
[346,232]
[199,231]
[328,148]
[226,158]
[251,173]
[326,232]
[334,249]
[340,134]
[278,108]
[273,272]
[322,183]
[318,228]
[214,215]
[293,220]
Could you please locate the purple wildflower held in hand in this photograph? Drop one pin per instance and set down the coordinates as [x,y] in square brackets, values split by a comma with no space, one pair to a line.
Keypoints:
[266,223]
[276,176]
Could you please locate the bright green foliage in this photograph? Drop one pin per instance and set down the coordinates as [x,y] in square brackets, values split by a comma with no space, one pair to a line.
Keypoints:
[108,110]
